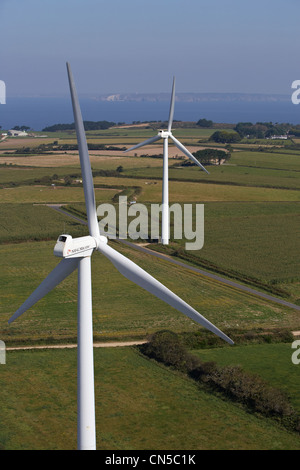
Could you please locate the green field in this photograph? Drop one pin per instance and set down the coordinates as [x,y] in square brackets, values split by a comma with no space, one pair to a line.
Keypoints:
[139,405]
[41,194]
[121,309]
[262,359]
[253,169]
[247,238]
[251,207]
[182,191]
[245,241]
[24,222]
[235,175]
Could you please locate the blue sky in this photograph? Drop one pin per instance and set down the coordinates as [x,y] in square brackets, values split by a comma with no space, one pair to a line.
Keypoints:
[137,46]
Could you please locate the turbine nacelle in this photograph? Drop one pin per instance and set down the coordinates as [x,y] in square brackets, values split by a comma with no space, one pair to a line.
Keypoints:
[69,247]
[164,134]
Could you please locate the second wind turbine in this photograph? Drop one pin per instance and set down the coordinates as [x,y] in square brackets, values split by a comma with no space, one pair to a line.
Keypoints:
[165,135]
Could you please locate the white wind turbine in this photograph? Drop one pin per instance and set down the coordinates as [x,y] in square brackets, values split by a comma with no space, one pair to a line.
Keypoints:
[76,253]
[165,135]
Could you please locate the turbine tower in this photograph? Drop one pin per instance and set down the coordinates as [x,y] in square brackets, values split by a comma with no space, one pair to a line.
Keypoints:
[76,254]
[165,135]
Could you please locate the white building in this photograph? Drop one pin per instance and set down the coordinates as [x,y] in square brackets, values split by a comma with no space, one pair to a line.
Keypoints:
[274,137]
[14,133]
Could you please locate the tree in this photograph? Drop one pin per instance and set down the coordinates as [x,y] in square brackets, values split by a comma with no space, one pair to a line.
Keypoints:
[21,128]
[204,123]
[247,129]
[68,180]
[207,155]
[225,137]
[88,126]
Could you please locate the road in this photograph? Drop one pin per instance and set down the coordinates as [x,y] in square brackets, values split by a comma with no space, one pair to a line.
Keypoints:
[207,274]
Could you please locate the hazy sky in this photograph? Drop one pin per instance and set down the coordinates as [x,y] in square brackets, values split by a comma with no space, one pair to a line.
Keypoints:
[137,46]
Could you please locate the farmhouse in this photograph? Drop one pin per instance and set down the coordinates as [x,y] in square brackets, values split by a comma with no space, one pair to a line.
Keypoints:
[14,133]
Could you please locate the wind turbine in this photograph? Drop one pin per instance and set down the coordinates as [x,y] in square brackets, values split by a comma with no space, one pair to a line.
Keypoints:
[165,135]
[76,254]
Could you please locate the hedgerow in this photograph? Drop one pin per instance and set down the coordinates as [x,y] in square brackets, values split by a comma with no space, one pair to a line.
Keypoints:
[231,381]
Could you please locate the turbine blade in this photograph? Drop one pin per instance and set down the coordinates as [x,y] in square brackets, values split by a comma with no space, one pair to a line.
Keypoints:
[59,273]
[146,142]
[140,277]
[187,153]
[171,114]
[87,177]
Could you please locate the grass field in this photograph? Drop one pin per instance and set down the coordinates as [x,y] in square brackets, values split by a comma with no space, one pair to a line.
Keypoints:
[139,405]
[262,359]
[17,175]
[251,234]
[41,194]
[277,160]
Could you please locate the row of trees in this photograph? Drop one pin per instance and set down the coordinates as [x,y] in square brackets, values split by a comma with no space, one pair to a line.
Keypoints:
[88,125]
[21,128]
[259,130]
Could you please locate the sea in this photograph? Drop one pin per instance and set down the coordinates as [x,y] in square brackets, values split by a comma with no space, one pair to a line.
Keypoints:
[40,112]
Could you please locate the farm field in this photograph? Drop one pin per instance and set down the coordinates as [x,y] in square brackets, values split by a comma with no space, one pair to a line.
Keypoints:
[42,194]
[247,252]
[121,309]
[27,221]
[183,191]
[233,174]
[256,231]
[251,228]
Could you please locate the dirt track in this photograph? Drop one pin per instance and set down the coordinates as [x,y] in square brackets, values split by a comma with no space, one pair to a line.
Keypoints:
[112,344]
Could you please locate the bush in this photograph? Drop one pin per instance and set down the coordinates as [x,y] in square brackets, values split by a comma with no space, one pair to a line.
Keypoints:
[203,370]
[165,346]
